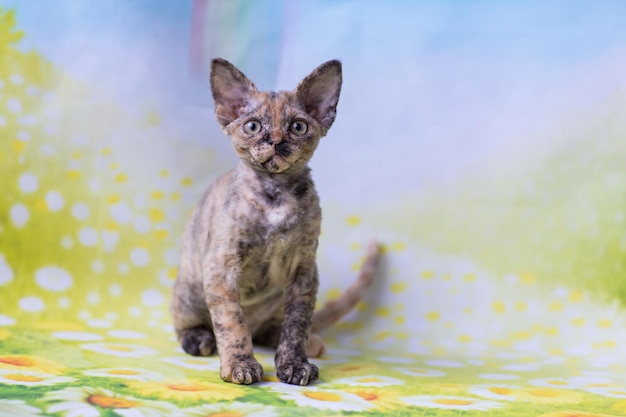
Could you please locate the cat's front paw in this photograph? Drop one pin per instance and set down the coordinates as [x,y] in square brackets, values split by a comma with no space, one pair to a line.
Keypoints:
[244,370]
[297,373]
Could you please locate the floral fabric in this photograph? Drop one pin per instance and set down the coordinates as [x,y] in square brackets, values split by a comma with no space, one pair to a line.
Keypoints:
[501,291]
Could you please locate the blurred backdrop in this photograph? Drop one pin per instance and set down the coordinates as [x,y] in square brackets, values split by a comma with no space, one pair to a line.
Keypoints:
[483,142]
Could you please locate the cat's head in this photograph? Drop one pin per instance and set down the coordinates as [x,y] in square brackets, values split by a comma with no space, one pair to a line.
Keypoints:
[275,132]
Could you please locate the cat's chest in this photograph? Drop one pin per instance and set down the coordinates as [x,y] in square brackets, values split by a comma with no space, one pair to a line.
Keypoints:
[281,216]
[276,215]
[266,268]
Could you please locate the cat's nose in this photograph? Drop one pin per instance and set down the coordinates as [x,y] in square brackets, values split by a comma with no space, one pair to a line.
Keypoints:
[273,140]
[283,149]
[277,140]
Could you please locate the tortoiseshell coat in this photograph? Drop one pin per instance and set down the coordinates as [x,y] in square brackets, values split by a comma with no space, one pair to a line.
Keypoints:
[248,270]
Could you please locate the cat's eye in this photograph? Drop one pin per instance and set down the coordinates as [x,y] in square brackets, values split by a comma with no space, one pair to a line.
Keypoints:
[252,127]
[298,127]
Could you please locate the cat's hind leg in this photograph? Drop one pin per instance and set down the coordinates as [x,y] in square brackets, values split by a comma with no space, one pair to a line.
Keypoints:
[191,317]
[198,341]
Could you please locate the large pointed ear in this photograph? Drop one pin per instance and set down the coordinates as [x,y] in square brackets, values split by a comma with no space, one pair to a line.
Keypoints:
[231,90]
[319,92]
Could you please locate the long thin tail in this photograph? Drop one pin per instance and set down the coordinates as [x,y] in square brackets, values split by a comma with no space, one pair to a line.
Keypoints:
[334,310]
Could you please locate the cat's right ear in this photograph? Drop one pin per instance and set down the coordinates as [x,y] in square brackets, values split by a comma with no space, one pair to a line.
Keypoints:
[231,91]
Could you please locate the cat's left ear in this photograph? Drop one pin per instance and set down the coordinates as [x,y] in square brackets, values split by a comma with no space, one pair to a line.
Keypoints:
[319,92]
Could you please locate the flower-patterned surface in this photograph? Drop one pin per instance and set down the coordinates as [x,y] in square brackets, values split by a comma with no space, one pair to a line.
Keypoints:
[482,311]
[60,377]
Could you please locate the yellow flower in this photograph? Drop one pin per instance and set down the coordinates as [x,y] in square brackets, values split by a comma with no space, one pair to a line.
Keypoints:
[381,398]
[574,414]
[451,402]
[608,391]
[325,399]
[421,372]
[125,373]
[122,350]
[188,390]
[26,378]
[369,381]
[30,363]
[620,406]
[88,401]
[194,362]
[4,334]
[343,369]
[547,396]
[233,409]
[495,391]
[447,388]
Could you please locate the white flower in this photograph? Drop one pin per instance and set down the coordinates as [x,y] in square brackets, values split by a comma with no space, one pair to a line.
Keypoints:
[6,320]
[30,379]
[494,392]
[325,399]
[590,381]
[194,362]
[134,374]
[326,360]
[17,408]
[450,403]
[90,402]
[396,359]
[555,383]
[521,367]
[369,381]
[499,377]
[6,273]
[235,409]
[77,336]
[94,298]
[343,352]
[126,334]
[421,372]
[123,350]
[612,392]
[444,363]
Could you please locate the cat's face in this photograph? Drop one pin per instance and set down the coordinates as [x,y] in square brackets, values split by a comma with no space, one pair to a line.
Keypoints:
[276,135]
[275,132]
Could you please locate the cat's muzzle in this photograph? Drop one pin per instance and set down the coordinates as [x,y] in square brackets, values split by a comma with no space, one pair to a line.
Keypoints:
[275,164]
[283,149]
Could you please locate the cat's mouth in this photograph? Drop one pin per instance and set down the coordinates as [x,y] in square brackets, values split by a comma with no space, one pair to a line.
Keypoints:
[275,164]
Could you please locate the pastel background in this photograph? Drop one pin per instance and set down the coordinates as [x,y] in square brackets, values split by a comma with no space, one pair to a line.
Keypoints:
[483,142]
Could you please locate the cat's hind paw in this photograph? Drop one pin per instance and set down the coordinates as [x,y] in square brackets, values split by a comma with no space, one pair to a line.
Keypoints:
[242,371]
[198,341]
[316,347]
[297,374]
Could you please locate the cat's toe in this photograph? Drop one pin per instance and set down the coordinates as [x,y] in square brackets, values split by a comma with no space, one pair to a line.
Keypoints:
[244,371]
[198,341]
[297,374]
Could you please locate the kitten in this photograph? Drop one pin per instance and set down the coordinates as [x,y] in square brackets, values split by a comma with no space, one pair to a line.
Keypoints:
[248,271]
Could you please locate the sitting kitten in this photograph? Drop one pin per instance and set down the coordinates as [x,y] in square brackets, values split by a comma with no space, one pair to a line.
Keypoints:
[248,270]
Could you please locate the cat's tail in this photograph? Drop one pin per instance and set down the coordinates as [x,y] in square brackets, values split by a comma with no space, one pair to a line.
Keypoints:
[334,310]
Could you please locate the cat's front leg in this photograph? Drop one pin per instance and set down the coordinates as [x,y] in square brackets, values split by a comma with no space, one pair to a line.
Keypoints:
[234,343]
[292,365]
